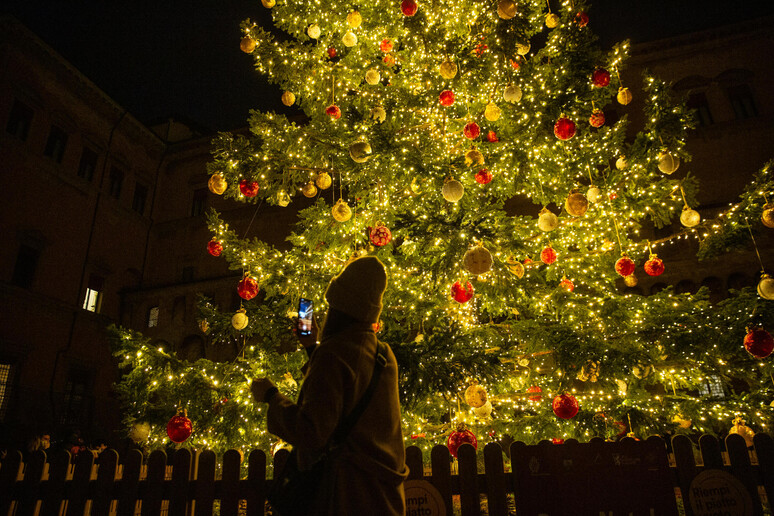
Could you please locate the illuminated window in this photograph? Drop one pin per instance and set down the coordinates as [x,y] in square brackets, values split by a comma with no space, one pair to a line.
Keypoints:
[713,387]
[6,379]
[93,298]
[153,317]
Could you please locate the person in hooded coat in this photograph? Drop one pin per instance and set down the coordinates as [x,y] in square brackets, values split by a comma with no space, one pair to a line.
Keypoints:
[370,468]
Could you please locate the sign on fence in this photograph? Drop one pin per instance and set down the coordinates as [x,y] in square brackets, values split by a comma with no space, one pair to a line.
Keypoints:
[715,492]
[423,499]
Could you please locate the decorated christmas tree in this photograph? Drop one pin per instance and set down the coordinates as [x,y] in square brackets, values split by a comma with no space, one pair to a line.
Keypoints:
[465,144]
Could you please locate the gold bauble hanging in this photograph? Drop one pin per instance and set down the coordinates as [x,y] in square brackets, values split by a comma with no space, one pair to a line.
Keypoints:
[323,181]
[515,266]
[552,20]
[512,93]
[621,163]
[522,48]
[689,217]
[239,320]
[668,163]
[475,395]
[372,77]
[745,431]
[576,204]
[360,152]
[283,199]
[247,45]
[354,19]
[593,194]
[474,157]
[767,217]
[378,114]
[766,287]
[478,260]
[630,280]
[547,221]
[269,3]
[341,211]
[484,411]
[217,184]
[452,190]
[349,39]
[288,98]
[624,96]
[314,31]
[506,9]
[492,112]
[309,190]
[448,69]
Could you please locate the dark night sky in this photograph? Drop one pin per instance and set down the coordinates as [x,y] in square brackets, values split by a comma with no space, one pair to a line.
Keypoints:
[161,58]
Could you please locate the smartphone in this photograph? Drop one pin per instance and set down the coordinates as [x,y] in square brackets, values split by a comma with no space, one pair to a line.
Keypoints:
[305,312]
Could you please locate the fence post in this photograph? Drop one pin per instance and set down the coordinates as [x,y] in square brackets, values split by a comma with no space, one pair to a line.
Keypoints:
[79,486]
[8,473]
[441,474]
[106,478]
[181,474]
[764,448]
[495,480]
[686,468]
[414,463]
[130,483]
[154,483]
[470,501]
[256,483]
[205,483]
[33,473]
[710,452]
[741,468]
[229,483]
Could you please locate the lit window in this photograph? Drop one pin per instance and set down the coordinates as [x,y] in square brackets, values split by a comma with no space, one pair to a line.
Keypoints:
[6,377]
[93,298]
[153,317]
[56,143]
[713,387]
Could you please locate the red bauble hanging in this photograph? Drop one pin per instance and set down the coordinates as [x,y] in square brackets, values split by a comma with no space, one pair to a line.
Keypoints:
[483,176]
[247,288]
[597,118]
[385,45]
[491,137]
[600,78]
[446,98]
[179,427]
[248,188]
[564,128]
[462,294]
[582,19]
[471,131]
[409,7]
[536,391]
[380,235]
[565,406]
[567,285]
[214,247]
[548,256]
[333,111]
[332,52]
[759,343]
[654,266]
[624,266]
[459,437]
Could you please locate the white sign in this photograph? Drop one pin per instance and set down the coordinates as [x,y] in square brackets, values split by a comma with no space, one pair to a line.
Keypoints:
[423,499]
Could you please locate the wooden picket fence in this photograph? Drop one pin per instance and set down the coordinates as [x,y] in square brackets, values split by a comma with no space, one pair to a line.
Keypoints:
[598,477]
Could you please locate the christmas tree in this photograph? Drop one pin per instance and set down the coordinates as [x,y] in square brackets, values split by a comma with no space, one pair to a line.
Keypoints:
[465,145]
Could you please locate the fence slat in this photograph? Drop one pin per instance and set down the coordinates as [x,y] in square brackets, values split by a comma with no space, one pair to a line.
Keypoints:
[154,491]
[229,484]
[742,469]
[33,473]
[764,448]
[256,484]
[710,452]
[685,468]
[414,463]
[181,474]
[440,463]
[106,477]
[8,473]
[495,480]
[205,483]
[470,502]
[130,483]
[57,477]
[79,486]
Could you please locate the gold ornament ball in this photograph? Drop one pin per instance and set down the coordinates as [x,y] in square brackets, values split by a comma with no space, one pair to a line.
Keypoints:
[269,3]
[354,19]
[594,194]
[689,217]
[478,260]
[288,98]
[668,163]
[621,163]
[523,48]
[576,204]
[448,69]
[360,152]
[547,221]
[484,411]
[341,211]
[682,422]
[372,77]
[283,199]
[624,96]
[512,93]
[217,184]
[415,187]
[515,266]
[630,280]
[139,432]
[766,287]
[452,190]
[767,217]
[552,20]
[492,112]
[743,430]
[475,396]
[239,320]
[506,9]
[349,39]
[323,181]
[247,45]
[378,114]
[309,190]
[474,157]
[313,31]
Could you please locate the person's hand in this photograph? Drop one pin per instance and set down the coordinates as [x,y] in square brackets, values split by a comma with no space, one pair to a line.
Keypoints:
[258,387]
[307,340]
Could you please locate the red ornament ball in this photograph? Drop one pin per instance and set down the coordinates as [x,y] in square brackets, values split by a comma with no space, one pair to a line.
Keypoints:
[654,266]
[535,390]
[567,285]
[548,256]
[247,288]
[446,98]
[556,440]
[333,111]
[214,247]
[564,128]
[565,406]
[380,235]
[582,19]
[459,437]
[471,131]
[248,188]
[600,78]
[409,7]
[597,118]
[491,137]
[389,60]
[483,176]
[624,266]
[179,428]
[515,64]
[462,294]
[332,52]
[385,45]
[759,343]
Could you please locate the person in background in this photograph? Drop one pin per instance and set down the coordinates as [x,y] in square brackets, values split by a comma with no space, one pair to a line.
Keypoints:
[370,470]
